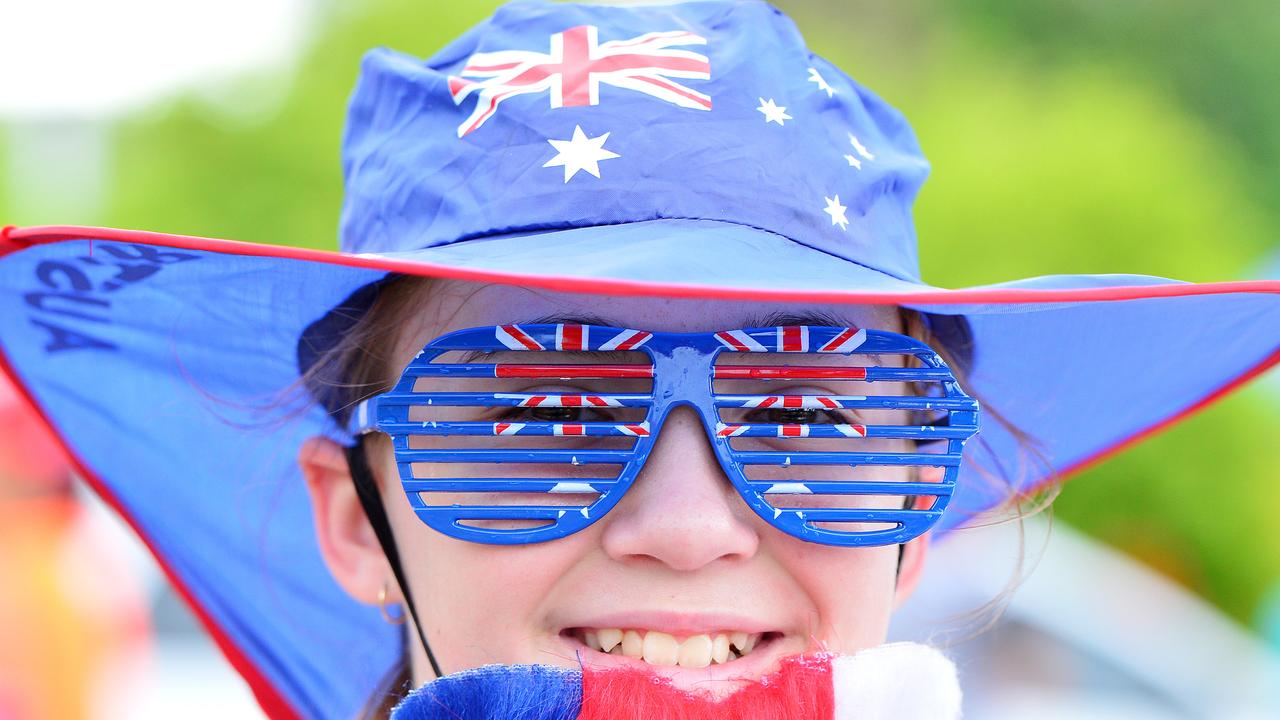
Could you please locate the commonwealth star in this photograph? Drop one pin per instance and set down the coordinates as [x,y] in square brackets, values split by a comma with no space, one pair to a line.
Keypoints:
[580,153]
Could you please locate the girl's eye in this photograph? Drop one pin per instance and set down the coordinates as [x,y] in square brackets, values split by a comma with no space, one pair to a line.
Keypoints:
[557,414]
[797,416]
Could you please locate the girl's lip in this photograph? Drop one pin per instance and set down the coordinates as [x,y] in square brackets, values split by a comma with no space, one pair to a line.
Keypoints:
[677,624]
[762,660]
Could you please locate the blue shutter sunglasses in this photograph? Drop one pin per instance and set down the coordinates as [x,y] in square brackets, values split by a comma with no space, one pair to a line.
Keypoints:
[513,460]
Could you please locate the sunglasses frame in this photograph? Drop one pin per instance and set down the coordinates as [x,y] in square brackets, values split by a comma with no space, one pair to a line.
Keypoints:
[683,372]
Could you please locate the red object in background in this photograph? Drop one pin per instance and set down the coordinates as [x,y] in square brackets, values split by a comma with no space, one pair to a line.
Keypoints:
[31,461]
[73,619]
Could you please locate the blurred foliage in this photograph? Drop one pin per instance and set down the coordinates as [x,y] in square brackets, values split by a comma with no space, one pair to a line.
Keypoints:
[1074,170]
[279,181]
[1215,60]
[1065,137]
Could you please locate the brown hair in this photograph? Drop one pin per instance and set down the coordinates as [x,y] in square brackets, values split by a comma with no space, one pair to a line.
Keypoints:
[955,346]
[356,362]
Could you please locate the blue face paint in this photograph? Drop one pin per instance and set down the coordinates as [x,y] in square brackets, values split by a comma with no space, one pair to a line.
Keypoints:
[805,460]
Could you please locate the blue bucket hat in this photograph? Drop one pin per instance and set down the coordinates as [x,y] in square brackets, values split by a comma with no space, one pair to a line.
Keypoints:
[692,150]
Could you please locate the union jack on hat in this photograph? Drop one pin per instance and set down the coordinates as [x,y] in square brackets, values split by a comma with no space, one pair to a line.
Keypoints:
[687,150]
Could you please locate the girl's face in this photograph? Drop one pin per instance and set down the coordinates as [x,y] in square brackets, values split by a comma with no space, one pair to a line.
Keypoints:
[681,553]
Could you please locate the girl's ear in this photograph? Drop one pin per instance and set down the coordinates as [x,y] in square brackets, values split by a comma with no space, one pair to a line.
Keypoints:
[347,541]
[915,552]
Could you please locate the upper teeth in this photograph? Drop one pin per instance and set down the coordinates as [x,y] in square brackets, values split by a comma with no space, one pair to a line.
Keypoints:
[659,648]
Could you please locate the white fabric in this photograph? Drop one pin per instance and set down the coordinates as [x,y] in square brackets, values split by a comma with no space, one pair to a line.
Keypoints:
[898,681]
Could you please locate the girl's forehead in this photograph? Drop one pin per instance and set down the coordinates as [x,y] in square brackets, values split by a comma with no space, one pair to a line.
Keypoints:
[452,305]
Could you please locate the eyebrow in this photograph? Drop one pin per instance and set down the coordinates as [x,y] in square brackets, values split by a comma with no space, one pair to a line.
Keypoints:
[776,319]
[813,318]
[820,319]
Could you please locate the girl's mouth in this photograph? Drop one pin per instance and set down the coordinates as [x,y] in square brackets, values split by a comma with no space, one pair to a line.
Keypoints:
[662,649]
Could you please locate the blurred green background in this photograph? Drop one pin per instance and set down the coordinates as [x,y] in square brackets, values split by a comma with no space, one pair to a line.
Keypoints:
[1085,136]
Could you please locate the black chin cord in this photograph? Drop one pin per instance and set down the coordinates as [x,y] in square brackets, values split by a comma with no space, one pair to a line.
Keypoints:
[371,501]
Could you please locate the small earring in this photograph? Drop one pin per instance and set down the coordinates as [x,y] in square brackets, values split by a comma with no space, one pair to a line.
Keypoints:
[382,607]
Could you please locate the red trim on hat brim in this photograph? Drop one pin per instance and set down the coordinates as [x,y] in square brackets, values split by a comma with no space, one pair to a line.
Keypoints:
[268,697]
[41,235]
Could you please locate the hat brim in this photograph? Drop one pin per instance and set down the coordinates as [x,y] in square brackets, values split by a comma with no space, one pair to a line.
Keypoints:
[159,360]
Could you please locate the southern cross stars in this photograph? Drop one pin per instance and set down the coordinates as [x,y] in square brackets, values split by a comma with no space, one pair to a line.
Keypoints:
[861,150]
[814,77]
[773,113]
[580,153]
[836,211]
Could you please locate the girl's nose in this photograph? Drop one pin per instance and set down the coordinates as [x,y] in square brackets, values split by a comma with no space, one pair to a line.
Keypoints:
[681,510]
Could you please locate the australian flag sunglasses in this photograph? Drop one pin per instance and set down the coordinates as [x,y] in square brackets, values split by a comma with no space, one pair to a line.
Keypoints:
[519,434]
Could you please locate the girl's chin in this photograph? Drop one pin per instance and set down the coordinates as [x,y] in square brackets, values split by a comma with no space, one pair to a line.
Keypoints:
[715,680]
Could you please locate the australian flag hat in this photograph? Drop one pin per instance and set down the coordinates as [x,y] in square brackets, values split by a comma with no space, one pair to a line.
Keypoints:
[690,150]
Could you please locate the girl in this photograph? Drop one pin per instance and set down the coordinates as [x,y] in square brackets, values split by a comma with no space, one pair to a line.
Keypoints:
[660,578]
[714,225]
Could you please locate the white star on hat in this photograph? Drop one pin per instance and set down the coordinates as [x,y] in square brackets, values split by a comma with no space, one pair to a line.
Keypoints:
[853,162]
[773,113]
[814,77]
[580,153]
[859,148]
[836,211]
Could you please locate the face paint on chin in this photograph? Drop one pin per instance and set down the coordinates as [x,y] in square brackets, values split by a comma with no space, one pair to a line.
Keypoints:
[801,689]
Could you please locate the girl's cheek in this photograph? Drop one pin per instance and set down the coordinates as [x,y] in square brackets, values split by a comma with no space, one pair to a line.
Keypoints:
[498,585]
[478,602]
[851,591]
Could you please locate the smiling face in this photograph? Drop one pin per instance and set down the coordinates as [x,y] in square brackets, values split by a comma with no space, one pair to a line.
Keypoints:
[680,573]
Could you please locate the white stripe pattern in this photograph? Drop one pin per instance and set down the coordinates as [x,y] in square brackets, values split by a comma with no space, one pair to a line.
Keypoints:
[788,488]
[848,345]
[637,338]
[807,402]
[573,346]
[572,487]
[736,339]
[723,430]
[804,339]
[511,340]
[635,429]
[790,431]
